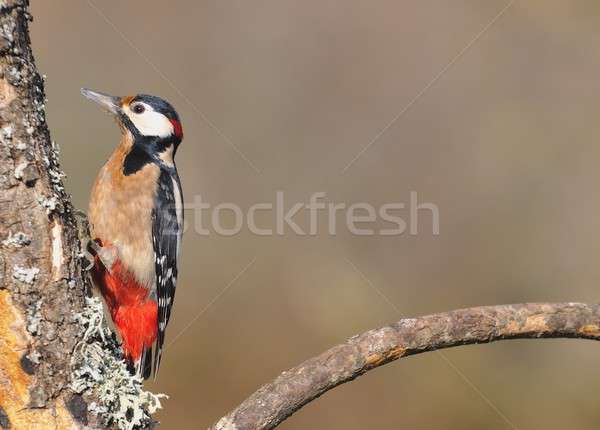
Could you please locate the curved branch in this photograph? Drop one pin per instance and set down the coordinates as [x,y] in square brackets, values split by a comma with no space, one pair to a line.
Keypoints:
[276,401]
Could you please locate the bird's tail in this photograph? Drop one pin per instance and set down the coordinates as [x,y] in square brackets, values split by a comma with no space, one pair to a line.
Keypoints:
[143,366]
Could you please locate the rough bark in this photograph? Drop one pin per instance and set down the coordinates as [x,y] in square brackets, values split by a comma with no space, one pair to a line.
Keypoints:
[276,401]
[60,366]
[41,283]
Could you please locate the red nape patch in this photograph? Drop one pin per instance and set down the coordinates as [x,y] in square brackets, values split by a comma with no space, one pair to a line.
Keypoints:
[177,129]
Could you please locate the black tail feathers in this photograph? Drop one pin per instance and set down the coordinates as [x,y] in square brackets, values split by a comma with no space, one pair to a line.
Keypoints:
[143,367]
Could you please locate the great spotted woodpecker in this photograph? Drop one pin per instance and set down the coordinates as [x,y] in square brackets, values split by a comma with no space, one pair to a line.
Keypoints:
[136,219]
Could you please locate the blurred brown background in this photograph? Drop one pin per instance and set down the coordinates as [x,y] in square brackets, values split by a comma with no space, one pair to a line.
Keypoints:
[506,142]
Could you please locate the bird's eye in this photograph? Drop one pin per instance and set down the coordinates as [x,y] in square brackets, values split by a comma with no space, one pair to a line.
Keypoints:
[138,108]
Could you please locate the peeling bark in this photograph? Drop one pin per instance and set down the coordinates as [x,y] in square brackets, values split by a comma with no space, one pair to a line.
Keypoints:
[276,401]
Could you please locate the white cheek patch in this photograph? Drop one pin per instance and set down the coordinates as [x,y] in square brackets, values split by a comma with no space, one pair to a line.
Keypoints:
[150,122]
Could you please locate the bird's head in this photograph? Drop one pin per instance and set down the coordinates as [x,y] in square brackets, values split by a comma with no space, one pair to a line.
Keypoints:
[152,122]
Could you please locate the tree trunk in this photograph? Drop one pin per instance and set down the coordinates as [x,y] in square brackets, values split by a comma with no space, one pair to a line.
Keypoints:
[59,365]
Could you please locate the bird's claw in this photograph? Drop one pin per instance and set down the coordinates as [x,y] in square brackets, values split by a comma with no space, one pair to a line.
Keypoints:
[106,254]
[89,259]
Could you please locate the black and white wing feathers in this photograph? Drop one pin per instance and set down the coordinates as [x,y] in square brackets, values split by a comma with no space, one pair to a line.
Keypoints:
[167,225]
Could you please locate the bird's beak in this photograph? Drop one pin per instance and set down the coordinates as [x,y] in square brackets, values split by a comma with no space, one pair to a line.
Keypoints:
[110,103]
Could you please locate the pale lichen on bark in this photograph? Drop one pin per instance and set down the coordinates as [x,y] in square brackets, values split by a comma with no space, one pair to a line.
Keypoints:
[43,293]
[34,369]
[98,367]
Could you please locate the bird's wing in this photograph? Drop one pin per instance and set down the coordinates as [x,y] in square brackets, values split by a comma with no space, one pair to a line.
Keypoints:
[167,227]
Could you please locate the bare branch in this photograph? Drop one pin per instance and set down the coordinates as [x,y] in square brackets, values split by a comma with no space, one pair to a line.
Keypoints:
[276,401]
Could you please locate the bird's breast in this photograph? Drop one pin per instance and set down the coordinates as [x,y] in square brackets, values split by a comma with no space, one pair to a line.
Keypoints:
[120,214]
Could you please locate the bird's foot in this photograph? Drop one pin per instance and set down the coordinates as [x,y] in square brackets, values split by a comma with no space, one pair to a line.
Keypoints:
[83,231]
[88,258]
[106,254]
